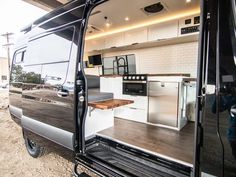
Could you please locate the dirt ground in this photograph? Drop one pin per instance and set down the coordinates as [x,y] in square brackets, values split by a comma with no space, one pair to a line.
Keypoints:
[14,159]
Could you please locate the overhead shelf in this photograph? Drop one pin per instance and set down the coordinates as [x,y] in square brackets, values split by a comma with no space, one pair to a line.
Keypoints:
[157,43]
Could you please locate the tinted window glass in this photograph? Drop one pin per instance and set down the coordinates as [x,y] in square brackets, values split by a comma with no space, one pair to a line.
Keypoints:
[54,47]
[19,57]
[4,77]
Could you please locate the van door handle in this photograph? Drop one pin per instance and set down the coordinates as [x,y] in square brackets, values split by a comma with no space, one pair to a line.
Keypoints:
[61,93]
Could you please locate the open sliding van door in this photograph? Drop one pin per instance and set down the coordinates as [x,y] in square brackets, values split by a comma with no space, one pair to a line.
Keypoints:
[215,153]
[54,86]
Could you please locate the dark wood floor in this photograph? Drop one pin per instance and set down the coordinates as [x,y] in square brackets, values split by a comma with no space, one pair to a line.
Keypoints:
[171,143]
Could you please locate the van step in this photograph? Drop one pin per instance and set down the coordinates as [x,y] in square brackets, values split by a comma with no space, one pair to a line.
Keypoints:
[84,175]
[132,163]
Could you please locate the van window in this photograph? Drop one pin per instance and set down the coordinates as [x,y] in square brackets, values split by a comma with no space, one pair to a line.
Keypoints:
[51,48]
[4,77]
[19,57]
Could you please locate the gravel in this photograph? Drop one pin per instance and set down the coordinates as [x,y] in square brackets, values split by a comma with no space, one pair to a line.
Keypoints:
[3,98]
[14,159]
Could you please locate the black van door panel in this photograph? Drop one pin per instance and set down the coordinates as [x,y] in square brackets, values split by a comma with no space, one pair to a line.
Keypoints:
[70,13]
[217,119]
[42,102]
[49,103]
[46,69]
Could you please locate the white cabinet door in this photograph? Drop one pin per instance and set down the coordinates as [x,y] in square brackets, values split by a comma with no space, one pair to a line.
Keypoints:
[95,44]
[106,84]
[117,87]
[115,40]
[140,102]
[163,31]
[112,85]
[135,36]
[128,113]
[97,121]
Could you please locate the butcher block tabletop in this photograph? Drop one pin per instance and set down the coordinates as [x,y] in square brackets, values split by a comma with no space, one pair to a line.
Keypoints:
[110,104]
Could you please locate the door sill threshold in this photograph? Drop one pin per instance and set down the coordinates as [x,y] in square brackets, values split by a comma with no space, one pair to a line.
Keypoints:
[132,160]
[147,151]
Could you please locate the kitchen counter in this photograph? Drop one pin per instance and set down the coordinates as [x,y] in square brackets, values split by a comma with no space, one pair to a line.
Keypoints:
[110,104]
[111,75]
[170,74]
[190,79]
[153,75]
[168,78]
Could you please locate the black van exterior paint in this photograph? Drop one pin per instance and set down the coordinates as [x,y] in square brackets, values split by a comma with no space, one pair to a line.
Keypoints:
[215,127]
[31,88]
[39,89]
[64,131]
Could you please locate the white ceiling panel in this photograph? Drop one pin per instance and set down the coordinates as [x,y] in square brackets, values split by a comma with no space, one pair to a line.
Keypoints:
[117,10]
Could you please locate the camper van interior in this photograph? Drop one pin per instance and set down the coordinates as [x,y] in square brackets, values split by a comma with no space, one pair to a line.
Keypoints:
[141,64]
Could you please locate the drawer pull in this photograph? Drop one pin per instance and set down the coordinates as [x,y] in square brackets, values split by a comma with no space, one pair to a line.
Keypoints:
[132,108]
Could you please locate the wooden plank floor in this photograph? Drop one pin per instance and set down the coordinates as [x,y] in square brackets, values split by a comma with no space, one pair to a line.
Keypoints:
[171,143]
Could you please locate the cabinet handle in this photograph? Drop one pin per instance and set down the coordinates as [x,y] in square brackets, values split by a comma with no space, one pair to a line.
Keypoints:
[132,108]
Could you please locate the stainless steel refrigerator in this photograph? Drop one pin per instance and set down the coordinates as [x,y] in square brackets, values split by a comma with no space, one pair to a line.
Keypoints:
[163,103]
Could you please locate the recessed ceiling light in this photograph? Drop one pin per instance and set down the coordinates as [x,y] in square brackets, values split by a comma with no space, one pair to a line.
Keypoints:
[108,24]
[126,18]
[188,1]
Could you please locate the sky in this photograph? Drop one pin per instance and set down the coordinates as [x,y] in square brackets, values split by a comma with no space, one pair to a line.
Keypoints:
[15,15]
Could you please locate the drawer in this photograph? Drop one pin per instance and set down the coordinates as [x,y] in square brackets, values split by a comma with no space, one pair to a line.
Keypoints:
[140,102]
[133,114]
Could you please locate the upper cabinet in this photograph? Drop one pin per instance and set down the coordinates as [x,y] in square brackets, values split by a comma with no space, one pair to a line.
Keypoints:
[115,40]
[95,44]
[135,36]
[163,31]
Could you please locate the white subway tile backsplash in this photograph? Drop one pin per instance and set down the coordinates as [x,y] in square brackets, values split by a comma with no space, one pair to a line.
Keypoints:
[178,58]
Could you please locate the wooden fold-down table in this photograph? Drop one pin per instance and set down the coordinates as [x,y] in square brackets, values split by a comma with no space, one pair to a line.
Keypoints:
[110,104]
[101,115]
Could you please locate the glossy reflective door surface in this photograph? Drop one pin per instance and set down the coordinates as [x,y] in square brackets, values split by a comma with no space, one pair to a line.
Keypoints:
[226,76]
[47,88]
[217,122]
